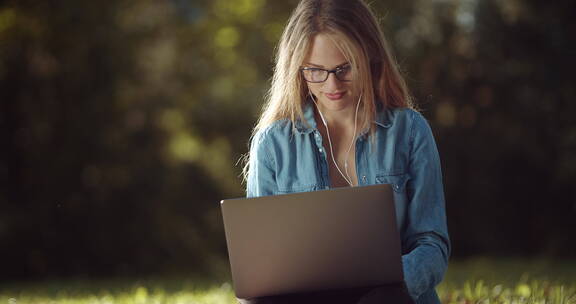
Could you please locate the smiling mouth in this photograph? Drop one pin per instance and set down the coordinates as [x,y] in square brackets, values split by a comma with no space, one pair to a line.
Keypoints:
[335,96]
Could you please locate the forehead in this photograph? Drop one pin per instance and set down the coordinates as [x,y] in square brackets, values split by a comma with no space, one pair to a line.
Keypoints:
[324,52]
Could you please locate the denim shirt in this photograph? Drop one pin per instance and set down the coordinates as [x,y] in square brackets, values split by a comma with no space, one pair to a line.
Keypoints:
[289,157]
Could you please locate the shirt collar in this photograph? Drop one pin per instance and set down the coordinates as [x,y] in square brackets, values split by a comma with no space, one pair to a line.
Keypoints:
[310,123]
[383,118]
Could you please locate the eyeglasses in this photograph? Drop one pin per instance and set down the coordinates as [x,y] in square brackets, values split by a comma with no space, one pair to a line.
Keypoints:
[317,75]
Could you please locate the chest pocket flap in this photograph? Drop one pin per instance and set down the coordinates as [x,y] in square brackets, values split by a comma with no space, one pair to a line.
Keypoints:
[398,181]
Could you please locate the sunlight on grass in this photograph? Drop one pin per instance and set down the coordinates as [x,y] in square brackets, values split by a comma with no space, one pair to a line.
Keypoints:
[137,295]
[509,280]
[481,292]
[468,292]
[486,281]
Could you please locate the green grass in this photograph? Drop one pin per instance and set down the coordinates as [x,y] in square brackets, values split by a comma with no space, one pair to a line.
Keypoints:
[509,280]
[153,291]
[470,281]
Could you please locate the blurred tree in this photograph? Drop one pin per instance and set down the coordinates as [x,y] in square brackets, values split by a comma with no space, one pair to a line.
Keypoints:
[121,124]
[495,79]
[97,176]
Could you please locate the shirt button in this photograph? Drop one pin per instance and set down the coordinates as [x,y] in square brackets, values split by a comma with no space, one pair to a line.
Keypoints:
[320,150]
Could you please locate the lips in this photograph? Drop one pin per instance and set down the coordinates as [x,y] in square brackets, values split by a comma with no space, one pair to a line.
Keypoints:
[335,96]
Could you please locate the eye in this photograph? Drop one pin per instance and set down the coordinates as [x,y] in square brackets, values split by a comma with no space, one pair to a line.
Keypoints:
[314,74]
[343,69]
[343,72]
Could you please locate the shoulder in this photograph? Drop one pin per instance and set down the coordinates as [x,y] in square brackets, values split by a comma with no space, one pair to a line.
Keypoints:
[405,119]
[406,115]
[409,122]
[267,142]
[272,137]
[278,130]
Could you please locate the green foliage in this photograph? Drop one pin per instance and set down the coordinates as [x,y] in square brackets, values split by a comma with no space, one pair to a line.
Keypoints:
[509,280]
[504,284]
[537,292]
[121,124]
[134,295]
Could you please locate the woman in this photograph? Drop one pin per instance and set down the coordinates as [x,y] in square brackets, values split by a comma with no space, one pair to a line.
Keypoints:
[339,114]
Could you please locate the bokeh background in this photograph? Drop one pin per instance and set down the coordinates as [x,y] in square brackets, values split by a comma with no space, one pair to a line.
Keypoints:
[122,123]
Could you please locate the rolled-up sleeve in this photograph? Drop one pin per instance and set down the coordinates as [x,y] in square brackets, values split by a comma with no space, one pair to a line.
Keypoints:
[261,179]
[426,234]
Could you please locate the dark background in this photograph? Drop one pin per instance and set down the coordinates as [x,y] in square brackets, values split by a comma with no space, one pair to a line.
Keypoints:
[121,124]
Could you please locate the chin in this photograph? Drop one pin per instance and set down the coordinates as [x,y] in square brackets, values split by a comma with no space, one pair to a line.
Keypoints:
[336,105]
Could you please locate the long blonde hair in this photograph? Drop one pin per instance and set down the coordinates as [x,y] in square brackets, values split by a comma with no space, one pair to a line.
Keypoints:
[354,27]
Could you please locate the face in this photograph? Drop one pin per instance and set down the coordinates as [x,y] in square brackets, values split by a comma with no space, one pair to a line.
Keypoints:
[333,94]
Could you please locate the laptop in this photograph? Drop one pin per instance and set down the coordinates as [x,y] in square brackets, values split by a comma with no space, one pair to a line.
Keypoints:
[312,241]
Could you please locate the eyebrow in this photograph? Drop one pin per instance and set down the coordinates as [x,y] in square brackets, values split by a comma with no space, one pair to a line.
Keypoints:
[321,66]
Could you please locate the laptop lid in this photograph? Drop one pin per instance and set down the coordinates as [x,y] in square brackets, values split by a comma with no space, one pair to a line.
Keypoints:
[311,241]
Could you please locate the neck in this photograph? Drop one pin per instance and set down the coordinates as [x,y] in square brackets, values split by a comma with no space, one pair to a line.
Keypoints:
[342,120]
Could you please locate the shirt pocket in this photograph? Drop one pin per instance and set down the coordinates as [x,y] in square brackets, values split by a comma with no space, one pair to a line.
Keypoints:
[397,181]
[285,188]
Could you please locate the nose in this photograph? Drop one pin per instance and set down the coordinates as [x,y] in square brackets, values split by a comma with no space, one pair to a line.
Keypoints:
[332,83]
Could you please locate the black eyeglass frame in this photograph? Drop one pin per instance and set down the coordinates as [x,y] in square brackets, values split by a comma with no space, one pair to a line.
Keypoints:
[335,71]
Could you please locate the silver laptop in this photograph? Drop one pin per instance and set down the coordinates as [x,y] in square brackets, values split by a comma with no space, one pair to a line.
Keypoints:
[312,241]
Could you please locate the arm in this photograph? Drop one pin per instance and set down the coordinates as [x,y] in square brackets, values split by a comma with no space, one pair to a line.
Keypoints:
[427,233]
[261,175]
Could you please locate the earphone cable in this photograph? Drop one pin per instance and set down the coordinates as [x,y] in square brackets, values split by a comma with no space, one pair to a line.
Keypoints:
[353,139]
[346,177]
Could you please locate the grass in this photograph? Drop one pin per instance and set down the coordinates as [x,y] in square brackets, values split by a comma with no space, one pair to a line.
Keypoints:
[471,281]
[152,291]
[509,280]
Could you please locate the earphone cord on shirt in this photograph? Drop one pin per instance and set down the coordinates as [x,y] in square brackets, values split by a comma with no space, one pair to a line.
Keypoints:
[346,177]
[353,140]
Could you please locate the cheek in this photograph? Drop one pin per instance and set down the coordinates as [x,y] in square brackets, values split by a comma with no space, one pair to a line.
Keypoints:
[315,89]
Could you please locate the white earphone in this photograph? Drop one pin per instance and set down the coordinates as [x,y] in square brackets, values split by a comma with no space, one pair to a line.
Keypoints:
[346,177]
